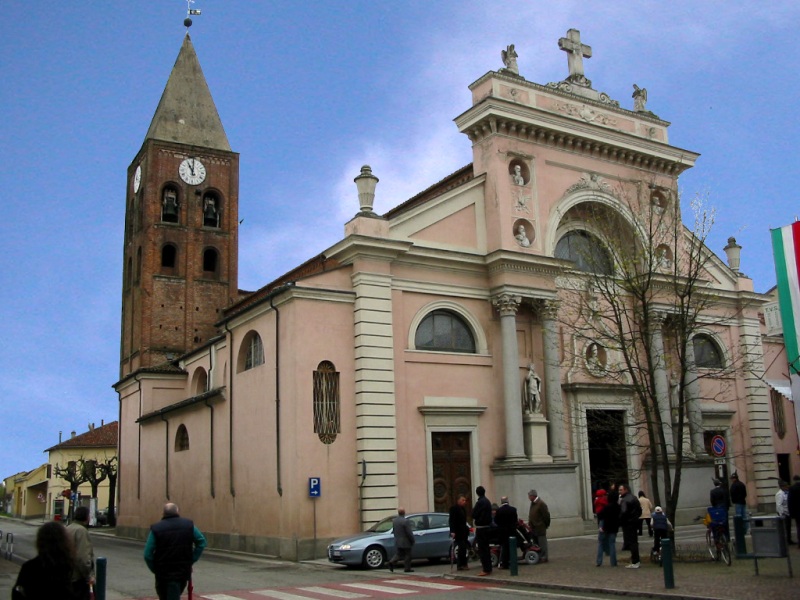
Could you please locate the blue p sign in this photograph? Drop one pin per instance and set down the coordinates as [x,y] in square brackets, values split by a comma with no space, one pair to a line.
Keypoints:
[314,487]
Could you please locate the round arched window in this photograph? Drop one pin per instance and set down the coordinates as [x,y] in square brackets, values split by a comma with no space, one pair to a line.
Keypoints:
[444,331]
[586,251]
[707,354]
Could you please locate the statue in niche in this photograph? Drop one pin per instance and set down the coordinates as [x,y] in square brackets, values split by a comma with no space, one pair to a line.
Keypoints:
[595,359]
[674,396]
[532,396]
[210,212]
[509,56]
[662,258]
[522,237]
[639,98]
[517,176]
[169,206]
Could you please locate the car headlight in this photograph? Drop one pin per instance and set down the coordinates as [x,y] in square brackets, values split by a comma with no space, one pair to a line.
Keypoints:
[344,547]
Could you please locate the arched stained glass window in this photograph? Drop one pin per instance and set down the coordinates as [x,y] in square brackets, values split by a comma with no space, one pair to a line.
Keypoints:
[327,422]
[444,331]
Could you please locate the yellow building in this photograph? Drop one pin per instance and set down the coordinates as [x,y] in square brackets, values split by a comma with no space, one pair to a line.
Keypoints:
[28,493]
[99,444]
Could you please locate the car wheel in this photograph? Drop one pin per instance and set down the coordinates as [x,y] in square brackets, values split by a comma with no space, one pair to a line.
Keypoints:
[374,557]
[531,557]
[495,558]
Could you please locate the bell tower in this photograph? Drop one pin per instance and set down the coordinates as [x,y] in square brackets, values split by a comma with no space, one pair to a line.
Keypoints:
[181,224]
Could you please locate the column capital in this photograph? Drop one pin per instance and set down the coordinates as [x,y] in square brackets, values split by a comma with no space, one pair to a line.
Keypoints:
[506,304]
[548,309]
[657,317]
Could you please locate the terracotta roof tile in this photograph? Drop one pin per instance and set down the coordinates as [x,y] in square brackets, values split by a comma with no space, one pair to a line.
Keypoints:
[99,437]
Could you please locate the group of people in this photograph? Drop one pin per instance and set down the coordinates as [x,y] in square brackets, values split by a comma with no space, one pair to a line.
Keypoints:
[64,564]
[787,505]
[495,523]
[616,508]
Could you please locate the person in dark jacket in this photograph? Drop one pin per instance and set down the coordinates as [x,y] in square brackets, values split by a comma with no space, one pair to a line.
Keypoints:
[739,500]
[403,541]
[661,528]
[173,546]
[506,520]
[49,575]
[459,531]
[482,518]
[629,512]
[608,517]
[719,495]
[794,504]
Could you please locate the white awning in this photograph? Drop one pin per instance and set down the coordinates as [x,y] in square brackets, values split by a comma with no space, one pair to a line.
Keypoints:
[782,386]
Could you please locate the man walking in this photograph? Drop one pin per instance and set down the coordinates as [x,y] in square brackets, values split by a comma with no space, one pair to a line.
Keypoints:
[459,531]
[506,520]
[403,540]
[78,532]
[482,517]
[739,500]
[629,512]
[539,521]
[173,546]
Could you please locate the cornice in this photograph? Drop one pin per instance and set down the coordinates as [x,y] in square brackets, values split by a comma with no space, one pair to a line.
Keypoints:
[360,246]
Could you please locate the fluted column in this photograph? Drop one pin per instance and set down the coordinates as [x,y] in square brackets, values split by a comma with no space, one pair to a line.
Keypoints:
[660,379]
[507,305]
[552,380]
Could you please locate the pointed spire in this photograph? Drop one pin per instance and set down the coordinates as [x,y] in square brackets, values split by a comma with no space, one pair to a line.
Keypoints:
[186,112]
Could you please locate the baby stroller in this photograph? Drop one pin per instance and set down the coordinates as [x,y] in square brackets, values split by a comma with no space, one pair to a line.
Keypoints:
[526,543]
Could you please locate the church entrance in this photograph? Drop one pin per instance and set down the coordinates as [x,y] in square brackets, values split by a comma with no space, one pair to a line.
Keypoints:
[451,469]
[608,458]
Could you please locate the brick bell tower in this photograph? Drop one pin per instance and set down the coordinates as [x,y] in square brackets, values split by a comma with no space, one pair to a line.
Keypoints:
[181,224]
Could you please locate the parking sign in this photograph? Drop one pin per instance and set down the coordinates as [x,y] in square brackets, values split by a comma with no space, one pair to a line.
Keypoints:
[314,487]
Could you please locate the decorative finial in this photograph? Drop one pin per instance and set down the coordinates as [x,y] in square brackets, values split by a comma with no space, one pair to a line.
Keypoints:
[366,183]
[190,12]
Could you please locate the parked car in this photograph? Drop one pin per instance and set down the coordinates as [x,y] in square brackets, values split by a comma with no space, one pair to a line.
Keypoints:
[372,548]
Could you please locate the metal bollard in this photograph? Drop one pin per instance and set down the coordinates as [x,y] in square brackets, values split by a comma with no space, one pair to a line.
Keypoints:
[512,556]
[9,545]
[666,562]
[738,534]
[100,579]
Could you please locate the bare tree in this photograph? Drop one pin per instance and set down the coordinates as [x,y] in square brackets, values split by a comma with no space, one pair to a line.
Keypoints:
[639,296]
[109,468]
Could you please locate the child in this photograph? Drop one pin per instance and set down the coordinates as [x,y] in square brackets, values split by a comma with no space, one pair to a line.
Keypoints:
[600,501]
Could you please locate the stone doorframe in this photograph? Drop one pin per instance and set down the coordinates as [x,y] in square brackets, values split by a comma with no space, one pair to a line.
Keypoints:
[597,397]
[448,414]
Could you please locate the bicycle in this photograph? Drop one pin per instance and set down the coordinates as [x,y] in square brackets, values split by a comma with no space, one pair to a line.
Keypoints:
[717,541]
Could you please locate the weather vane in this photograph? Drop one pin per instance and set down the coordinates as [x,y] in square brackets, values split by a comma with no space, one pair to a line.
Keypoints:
[190,12]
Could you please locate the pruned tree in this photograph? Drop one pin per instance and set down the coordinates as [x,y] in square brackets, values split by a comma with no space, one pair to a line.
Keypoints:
[636,303]
[109,469]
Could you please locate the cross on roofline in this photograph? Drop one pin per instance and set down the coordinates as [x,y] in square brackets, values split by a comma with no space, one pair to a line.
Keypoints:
[576,52]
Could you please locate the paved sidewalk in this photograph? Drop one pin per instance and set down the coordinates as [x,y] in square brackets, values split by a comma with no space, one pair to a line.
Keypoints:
[572,567]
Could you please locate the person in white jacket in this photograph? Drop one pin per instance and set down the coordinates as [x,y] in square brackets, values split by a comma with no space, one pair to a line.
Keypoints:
[782,508]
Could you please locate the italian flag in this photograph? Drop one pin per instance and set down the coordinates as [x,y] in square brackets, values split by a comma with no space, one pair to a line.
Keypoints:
[786,248]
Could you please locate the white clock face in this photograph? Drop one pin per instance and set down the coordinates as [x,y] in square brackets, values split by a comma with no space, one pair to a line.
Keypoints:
[137,179]
[192,171]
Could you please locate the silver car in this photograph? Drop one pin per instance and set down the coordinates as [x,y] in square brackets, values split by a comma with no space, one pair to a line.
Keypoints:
[373,547]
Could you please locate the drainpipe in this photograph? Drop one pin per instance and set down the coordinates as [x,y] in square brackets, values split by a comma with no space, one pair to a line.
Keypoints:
[211,453]
[230,408]
[166,455]
[277,394]
[138,445]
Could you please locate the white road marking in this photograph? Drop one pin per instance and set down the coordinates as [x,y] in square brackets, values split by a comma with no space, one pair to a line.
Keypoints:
[279,595]
[379,588]
[425,584]
[332,592]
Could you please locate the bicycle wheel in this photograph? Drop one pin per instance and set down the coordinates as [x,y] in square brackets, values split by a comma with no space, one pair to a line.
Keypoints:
[712,546]
[725,549]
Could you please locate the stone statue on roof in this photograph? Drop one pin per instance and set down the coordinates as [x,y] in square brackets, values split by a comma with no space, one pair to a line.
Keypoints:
[639,98]
[509,56]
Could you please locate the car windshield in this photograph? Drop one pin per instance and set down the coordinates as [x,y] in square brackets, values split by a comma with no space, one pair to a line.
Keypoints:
[382,526]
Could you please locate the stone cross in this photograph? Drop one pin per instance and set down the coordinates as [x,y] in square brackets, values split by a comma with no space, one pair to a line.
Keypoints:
[575,52]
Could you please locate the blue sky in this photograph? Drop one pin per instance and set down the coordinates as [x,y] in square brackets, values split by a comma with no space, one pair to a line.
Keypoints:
[308,92]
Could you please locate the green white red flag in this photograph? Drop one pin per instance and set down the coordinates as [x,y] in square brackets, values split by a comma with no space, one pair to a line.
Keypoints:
[786,249]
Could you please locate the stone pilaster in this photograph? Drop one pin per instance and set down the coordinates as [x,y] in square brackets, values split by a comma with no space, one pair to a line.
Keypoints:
[552,379]
[693,413]
[376,418]
[660,380]
[507,305]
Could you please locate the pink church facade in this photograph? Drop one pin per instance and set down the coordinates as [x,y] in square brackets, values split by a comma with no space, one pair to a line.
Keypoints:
[392,367]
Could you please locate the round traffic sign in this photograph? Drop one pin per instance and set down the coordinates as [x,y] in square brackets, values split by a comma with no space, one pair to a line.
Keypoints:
[718,445]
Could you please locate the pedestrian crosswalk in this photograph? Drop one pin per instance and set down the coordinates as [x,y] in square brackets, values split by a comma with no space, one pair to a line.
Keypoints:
[380,588]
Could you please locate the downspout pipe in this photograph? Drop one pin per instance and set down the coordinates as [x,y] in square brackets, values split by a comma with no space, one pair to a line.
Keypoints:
[166,455]
[139,445]
[211,444]
[230,409]
[277,395]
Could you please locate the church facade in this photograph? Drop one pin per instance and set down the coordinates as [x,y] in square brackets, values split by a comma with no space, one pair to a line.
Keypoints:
[429,350]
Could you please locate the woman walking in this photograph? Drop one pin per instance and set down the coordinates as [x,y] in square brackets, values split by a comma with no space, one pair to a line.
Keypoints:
[647,509]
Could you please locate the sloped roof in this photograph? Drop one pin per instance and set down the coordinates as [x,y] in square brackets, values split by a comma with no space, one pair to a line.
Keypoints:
[186,113]
[99,437]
